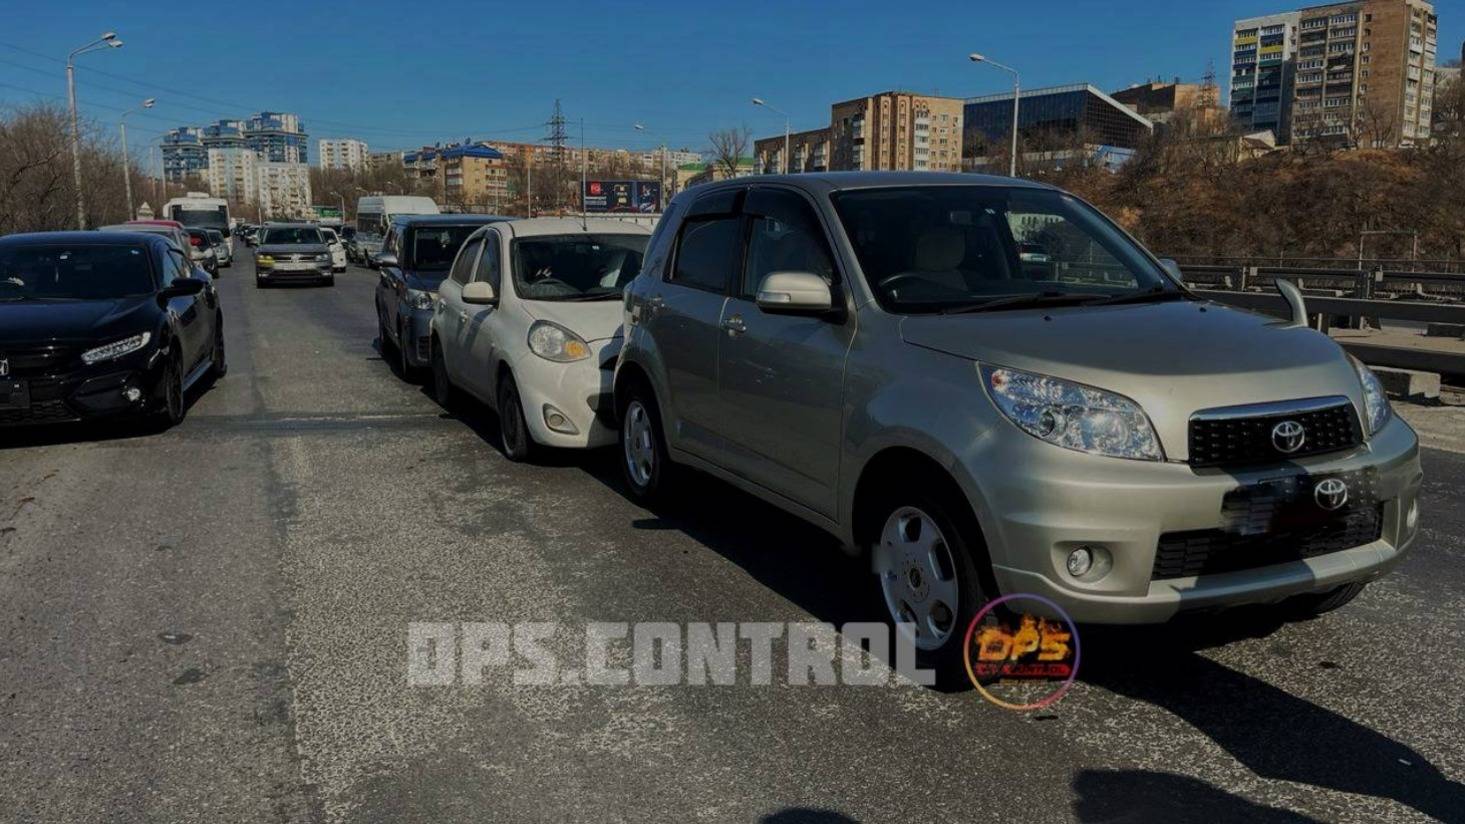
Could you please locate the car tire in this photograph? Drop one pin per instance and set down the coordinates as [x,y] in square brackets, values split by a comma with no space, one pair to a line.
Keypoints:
[514,432]
[384,343]
[929,551]
[644,460]
[328,280]
[174,406]
[259,282]
[405,370]
[1312,604]
[219,360]
[443,390]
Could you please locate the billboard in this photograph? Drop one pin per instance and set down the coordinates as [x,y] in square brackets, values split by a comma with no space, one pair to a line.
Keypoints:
[623,196]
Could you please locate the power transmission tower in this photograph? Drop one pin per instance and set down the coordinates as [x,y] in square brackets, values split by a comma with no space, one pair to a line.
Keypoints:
[557,136]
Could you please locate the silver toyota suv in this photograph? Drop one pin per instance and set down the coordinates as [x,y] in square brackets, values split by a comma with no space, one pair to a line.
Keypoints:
[992,389]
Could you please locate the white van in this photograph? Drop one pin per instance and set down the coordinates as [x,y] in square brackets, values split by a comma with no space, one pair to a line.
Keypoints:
[374,215]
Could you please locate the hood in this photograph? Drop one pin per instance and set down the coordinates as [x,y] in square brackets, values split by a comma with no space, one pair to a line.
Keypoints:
[307,249]
[428,281]
[592,320]
[39,321]
[1171,358]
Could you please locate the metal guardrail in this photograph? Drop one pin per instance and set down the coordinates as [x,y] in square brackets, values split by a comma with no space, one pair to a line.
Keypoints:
[1349,297]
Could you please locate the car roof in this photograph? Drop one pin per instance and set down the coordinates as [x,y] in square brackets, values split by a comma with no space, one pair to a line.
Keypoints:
[98,238]
[825,182]
[290,226]
[447,220]
[175,224]
[532,227]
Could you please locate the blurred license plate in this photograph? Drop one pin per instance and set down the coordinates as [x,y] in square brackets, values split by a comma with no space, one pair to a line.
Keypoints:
[294,266]
[14,394]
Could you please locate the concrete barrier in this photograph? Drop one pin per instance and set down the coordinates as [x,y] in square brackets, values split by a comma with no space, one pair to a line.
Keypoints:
[1409,383]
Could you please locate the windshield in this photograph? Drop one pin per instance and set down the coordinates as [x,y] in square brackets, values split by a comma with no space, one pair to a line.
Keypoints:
[215,218]
[329,235]
[291,235]
[935,248]
[216,237]
[434,247]
[81,272]
[576,267]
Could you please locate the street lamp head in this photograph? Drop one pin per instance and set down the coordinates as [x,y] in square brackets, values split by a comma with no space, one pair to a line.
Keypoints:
[111,35]
[116,44]
[975,58]
[148,104]
[638,127]
[758,101]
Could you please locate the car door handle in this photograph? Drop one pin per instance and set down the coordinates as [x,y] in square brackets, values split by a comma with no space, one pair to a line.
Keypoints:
[735,326]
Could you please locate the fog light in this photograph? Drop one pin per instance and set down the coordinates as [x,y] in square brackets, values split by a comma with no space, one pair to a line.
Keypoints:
[133,395]
[1411,519]
[1080,561]
[556,420]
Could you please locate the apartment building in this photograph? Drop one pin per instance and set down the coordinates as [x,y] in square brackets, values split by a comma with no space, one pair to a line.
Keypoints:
[184,155]
[278,137]
[232,174]
[896,130]
[474,177]
[1354,73]
[283,190]
[809,151]
[343,154]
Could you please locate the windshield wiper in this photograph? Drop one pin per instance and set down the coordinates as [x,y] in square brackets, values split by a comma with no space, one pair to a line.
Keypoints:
[1048,298]
[1152,294]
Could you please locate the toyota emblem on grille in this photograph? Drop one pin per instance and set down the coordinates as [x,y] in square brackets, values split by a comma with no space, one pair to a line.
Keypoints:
[1288,436]
[4,367]
[1330,494]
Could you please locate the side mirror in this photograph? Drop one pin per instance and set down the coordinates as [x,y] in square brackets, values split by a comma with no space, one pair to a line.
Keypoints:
[479,293]
[385,259]
[794,293]
[1173,268]
[183,287]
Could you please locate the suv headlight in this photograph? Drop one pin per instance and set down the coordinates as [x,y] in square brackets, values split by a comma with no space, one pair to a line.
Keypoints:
[116,349]
[1072,415]
[420,300]
[554,342]
[264,261]
[323,257]
[1375,399]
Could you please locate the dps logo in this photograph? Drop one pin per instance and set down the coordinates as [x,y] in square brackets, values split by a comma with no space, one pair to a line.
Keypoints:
[1020,659]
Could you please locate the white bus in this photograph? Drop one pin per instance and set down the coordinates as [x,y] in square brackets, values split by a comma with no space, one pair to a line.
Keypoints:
[374,216]
[199,209]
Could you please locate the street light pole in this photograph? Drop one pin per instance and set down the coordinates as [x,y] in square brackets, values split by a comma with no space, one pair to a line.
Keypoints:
[107,40]
[1016,95]
[126,158]
[758,101]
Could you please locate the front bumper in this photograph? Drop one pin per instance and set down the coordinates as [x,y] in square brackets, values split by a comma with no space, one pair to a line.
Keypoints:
[1047,501]
[415,335]
[90,393]
[316,272]
[579,392]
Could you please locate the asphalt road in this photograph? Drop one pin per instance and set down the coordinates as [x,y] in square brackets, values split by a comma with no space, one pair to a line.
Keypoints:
[210,624]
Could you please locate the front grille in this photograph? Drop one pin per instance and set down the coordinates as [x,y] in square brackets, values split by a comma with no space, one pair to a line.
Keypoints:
[1237,440]
[38,412]
[34,361]
[424,348]
[1274,522]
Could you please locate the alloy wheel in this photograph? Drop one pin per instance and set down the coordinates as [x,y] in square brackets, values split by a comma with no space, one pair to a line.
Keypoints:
[638,440]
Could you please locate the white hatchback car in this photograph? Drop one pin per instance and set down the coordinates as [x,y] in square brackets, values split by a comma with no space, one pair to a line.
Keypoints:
[529,322]
[337,247]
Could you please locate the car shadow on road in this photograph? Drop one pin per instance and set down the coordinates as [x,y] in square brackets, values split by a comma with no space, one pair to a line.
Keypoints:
[98,431]
[1273,733]
[807,815]
[1143,795]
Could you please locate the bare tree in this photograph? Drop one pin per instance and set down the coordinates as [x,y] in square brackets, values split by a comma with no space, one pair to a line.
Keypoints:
[729,147]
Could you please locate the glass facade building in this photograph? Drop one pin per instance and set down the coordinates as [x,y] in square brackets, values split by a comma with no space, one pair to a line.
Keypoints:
[184,154]
[1061,111]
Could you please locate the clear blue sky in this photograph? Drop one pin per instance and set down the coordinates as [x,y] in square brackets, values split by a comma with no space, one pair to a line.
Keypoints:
[402,74]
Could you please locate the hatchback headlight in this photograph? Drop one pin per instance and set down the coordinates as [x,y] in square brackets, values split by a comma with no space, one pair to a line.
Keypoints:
[116,349]
[1375,399]
[554,342]
[1072,415]
[420,300]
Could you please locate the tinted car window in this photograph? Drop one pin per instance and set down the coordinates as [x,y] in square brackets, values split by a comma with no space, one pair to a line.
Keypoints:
[79,272]
[463,265]
[785,236]
[490,269]
[709,253]
[291,235]
[576,267]
[432,248]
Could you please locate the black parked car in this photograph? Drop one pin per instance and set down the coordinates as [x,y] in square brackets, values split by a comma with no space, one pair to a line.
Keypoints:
[103,324]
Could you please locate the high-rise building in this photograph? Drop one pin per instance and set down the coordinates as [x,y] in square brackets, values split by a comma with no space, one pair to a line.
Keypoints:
[184,155]
[284,189]
[344,153]
[890,130]
[277,137]
[1355,73]
[474,177]
[224,134]
[233,174]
